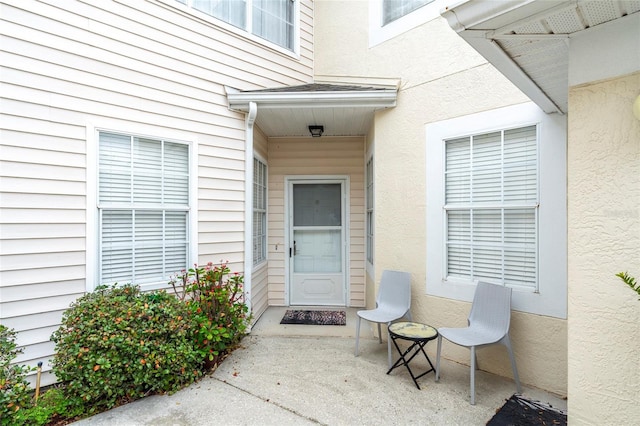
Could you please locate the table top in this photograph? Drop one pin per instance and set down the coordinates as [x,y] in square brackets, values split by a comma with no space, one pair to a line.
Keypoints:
[413,330]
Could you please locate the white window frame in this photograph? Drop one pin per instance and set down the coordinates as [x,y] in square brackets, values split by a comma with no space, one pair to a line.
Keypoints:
[369,210]
[551,298]
[379,33]
[93,231]
[402,3]
[263,187]
[247,32]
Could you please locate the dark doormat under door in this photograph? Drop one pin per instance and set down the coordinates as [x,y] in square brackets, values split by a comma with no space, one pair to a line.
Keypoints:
[315,317]
[519,411]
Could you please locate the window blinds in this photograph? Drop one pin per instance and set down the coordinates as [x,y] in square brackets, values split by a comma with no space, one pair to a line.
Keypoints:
[491,200]
[259,211]
[143,204]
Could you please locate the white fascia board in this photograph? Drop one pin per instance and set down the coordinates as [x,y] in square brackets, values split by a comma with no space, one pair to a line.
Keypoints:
[467,14]
[376,99]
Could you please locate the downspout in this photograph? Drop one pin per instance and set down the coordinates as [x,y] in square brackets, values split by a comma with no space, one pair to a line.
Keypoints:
[248,205]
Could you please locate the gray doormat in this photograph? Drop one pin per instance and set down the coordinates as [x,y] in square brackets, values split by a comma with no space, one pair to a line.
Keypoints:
[521,411]
[315,317]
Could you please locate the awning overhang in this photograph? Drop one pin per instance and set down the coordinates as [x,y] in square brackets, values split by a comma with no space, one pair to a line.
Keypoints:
[288,111]
[529,40]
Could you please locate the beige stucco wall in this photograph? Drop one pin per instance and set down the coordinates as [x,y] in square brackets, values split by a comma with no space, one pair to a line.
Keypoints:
[604,238]
[441,77]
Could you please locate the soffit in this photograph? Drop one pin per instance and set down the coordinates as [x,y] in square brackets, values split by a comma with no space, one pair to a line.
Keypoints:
[529,39]
[343,110]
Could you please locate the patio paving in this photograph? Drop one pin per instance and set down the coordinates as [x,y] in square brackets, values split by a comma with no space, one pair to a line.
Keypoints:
[301,374]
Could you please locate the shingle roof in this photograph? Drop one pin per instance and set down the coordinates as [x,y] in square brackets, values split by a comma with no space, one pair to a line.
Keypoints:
[316,87]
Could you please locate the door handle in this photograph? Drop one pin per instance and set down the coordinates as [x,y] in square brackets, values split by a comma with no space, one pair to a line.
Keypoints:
[293,251]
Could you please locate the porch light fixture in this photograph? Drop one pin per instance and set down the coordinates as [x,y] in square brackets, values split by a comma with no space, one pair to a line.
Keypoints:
[316,131]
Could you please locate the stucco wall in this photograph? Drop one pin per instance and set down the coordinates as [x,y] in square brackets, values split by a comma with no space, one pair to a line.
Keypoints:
[604,238]
[441,77]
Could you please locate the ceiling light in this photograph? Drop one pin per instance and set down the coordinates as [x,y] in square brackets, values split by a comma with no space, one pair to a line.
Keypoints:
[316,131]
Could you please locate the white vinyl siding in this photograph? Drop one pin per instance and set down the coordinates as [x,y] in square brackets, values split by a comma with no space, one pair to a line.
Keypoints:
[491,201]
[259,211]
[143,205]
[272,20]
[394,9]
[325,156]
[141,67]
[370,210]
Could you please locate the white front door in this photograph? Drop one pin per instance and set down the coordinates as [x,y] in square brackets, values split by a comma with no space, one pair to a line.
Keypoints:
[316,235]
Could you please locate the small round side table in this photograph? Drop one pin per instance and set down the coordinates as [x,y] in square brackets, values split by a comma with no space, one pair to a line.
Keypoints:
[419,335]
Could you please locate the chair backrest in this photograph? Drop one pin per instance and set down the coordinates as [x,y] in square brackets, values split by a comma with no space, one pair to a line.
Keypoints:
[491,307]
[395,290]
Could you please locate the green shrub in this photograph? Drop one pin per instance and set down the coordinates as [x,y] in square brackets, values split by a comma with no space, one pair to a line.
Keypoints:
[51,406]
[15,393]
[215,300]
[118,344]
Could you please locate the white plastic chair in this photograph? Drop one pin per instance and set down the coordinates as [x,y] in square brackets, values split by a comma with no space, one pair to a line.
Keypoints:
[488,324]
[392,303]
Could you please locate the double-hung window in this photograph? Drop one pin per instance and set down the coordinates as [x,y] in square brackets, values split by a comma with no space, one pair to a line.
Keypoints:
[491,204]
[143,207]
[272,20]
[390,18]
[394,9]
[369,217]
[496,206]
[259,211]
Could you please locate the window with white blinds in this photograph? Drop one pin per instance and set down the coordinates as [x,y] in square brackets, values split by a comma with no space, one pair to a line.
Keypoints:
[394,9]
[272,20]
[143,204]
[259,211]
[491,207]
[370,217]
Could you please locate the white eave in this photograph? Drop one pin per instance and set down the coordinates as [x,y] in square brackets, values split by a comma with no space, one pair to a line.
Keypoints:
[528,40]
[286,112]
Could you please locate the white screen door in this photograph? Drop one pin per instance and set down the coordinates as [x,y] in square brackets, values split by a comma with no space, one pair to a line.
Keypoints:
[316,241]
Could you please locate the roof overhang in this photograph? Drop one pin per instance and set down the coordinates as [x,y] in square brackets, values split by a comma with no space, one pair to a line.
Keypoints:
[528,40]
[288,111]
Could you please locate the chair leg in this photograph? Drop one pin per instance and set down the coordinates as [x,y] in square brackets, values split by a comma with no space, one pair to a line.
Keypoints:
[473,375]
[516,377]
[379,333]
[389,351]
[438,358]
[357,334]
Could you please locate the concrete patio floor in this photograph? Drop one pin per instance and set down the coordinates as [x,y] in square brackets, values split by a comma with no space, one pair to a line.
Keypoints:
[301,374]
